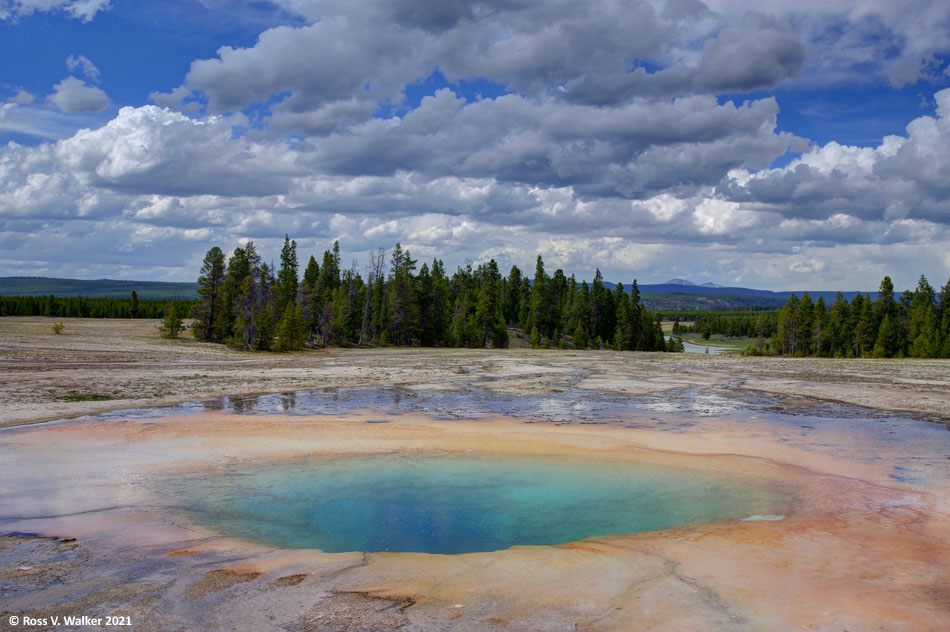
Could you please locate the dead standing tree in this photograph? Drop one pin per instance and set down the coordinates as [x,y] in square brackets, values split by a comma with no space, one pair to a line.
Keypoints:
[374,277]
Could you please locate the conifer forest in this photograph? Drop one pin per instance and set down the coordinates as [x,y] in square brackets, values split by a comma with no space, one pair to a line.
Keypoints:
[250,305]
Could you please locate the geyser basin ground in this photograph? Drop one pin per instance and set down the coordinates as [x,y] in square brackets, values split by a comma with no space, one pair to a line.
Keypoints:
[858,549]
[457,504]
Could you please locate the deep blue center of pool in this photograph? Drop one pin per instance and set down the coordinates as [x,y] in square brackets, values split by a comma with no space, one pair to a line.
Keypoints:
[458,505]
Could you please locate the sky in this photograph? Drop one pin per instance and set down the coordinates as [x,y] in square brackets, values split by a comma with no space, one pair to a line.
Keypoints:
[775,144]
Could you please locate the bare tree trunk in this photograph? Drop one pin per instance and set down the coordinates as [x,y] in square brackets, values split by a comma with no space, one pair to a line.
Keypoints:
[377,260]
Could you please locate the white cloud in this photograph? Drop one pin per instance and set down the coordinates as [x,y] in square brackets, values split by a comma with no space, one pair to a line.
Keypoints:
[610,147]
[73,95]
[22,97]
[897,41]
[170,99]
[172,181]
[82,62]
[809,266]
[42,122]
[599,52]
[903,177]
[83,10]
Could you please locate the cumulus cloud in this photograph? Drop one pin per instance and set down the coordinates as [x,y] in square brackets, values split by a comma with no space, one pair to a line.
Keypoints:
[904,177]
[74,95]
[862,39]
[83,10]
[608,142]
[600,52]
[151,150]
[188,182]
[740,59]
[628,151]
[583,51]
[306,62]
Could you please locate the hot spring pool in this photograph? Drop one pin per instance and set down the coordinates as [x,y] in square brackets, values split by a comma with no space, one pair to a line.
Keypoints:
[442,504]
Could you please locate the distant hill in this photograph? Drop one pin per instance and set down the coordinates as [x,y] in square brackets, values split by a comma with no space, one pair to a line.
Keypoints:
[665,288]
[679,282]
[676,294]
[690,283]
[98,288]
[677,301]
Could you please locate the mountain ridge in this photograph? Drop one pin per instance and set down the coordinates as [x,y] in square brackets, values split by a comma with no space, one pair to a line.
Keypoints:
[652,292]
[95,288]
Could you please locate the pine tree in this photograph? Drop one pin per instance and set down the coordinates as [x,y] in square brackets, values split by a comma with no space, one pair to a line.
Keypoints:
[402,303]
[524,312]
[490,322]
[805,326]
[636,324]
[347,300]
[885,304]
[786,336]
[943,321]
[888,343]
[249,298]
[292,330]
[265,328]
[580,317]
[287,276]
[540,308]
[311,274]
[597,320]
[557,294]
[209,316]
[328,278]
[623,335]
[464,328]
[760,325]
[821,344]
[512,309]
[325,323]
[535,339]
[840,333]
[171,324]
[233,281]
[923,330]
[440,318]
[865,328]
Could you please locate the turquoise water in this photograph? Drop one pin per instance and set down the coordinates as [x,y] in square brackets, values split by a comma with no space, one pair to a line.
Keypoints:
[456,505]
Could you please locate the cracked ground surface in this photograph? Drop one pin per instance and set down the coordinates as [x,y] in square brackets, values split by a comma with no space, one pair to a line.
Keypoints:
[99,365]
[862,548]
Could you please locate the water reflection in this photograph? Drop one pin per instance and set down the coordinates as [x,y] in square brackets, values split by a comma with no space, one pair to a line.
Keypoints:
[690,347]
[809,424]
[288,401]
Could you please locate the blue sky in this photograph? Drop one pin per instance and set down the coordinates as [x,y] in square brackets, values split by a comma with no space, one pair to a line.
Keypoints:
[784,145]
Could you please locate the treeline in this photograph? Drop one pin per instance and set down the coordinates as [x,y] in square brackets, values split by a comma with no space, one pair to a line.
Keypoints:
[915,324]
[80,307]
[251,305]
[732,324]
